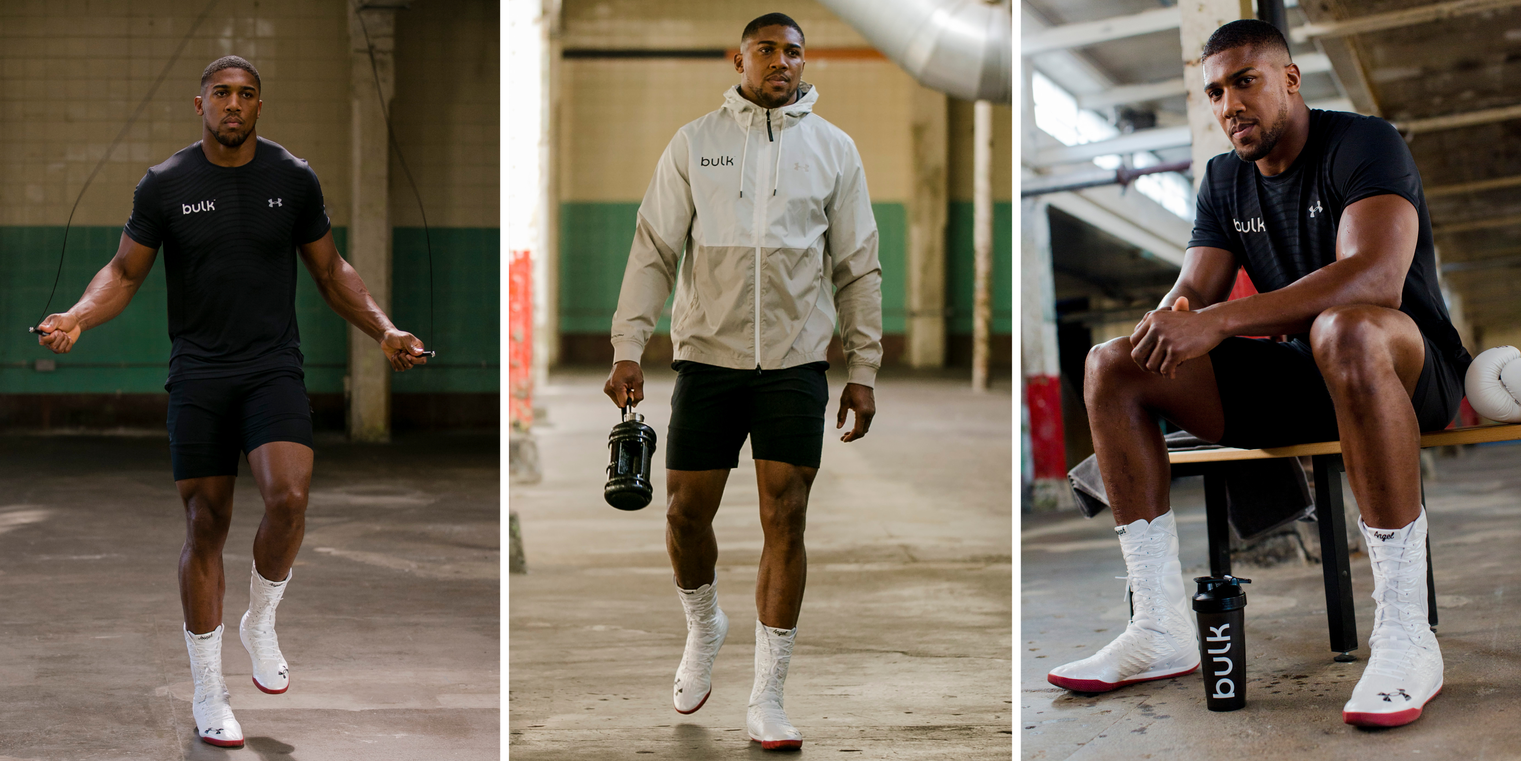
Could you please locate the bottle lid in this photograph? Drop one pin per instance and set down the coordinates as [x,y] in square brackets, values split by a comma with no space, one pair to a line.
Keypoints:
[630,416]
[1218,594]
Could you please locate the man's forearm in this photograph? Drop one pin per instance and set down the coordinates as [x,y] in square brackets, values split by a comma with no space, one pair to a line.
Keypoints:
[1292,310]
[107,295]
[344,291]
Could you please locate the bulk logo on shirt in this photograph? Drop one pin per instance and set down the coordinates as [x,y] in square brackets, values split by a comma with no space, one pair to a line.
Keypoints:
[1251,226]
[717,161]
[186,208]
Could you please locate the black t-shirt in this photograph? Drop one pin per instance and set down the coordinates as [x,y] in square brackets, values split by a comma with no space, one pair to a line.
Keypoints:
[229,236]
[1282,228]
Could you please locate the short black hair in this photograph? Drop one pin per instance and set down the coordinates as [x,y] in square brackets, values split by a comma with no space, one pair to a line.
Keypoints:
[771,19]
[230,62]
[1243,33]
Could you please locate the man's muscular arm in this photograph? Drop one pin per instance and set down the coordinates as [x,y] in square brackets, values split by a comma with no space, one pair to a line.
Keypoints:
[344,291]
[1375,244]
[108,294]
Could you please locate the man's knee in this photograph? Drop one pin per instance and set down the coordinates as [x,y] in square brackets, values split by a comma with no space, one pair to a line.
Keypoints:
[1351,341]
[1107,363]
[286,502]
[207,521]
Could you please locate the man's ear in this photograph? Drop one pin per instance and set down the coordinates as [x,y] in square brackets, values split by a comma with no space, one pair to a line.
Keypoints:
[739,61]
[1291,73]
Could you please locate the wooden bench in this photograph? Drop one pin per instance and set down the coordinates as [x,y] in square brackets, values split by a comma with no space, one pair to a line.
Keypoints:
[1330,516]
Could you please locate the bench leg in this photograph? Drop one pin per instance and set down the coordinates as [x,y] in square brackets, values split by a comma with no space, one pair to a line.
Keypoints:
[1331,519]
[1217,521]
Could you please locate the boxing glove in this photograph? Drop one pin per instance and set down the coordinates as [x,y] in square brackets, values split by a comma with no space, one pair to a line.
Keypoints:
[1494,384]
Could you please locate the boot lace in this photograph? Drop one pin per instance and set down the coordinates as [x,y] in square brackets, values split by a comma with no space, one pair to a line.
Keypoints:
[1399,624]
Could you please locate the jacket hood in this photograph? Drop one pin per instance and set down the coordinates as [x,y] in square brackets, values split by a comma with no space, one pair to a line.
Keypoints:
[808,95]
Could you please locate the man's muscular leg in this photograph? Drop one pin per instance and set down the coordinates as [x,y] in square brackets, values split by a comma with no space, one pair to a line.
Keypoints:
[692,498]
[208,514]
[1371,358]
[692,501]
[784,562]
[283,471]
[1123,402]
[778,597]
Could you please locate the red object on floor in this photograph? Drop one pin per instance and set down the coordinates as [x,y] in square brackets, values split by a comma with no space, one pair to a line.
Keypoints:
[520,339]
[1048,448]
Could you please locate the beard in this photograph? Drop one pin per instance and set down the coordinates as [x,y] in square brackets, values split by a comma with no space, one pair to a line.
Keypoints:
[1269,140]
[232,139]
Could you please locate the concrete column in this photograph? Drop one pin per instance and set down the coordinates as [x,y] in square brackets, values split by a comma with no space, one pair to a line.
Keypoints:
[369,240]
[982,241]
[1045,436]
[927,211]
[548,349]
[1200,19]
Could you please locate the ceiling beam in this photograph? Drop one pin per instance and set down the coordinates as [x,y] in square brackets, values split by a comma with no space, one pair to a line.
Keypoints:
[1423,14]
[1478,186]
[1311,63]
[1477,224]
[1454,121]
[1081,204]
[1088,33]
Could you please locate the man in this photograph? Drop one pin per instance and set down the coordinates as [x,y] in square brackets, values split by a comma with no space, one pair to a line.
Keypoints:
[229,210]
[1326,213]
[770,203]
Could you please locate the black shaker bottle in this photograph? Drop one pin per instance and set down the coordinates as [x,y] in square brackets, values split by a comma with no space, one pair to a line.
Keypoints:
[632,447]
[1221,608]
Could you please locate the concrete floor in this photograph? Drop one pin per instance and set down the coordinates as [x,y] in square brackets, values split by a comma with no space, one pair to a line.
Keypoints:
[390,623]
[1072,605]
[904,639]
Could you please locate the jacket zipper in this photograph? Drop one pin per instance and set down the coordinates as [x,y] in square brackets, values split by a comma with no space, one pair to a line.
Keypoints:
[769,137]
[757,220]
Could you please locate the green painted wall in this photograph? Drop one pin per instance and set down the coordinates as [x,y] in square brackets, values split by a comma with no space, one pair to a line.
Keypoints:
[594,243]
[131,353]
[958,268]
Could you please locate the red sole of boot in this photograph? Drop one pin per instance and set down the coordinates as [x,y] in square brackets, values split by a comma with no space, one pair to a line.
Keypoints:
[699,704]
[223,743]
[1395,719]
[779,744]
[268,691]
[1095,685]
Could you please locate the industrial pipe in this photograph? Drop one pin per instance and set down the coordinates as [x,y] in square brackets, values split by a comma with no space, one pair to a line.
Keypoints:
[963,48]
[1078,181]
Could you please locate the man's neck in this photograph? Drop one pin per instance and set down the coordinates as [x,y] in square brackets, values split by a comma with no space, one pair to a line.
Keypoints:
[222,155]
[1291,144]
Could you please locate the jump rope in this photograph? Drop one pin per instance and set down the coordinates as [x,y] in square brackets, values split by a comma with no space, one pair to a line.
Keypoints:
[391,136]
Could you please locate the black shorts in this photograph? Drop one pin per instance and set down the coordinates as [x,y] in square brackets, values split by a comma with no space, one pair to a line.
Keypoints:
[212,420]
[1274,395]
[714,408]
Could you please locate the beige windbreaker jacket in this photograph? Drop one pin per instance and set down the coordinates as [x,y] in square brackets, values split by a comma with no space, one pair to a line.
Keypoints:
[771,208]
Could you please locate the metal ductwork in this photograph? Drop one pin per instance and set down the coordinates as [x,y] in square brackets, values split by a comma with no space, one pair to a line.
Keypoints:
[963,48]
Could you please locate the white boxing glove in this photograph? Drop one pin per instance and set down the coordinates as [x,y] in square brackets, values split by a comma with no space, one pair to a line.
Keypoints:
[1494,384]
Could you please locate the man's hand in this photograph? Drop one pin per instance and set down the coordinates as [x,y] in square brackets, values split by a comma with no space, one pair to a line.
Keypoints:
[861,399]
[625,384]
[1167,338]
[403,350]
[62,331]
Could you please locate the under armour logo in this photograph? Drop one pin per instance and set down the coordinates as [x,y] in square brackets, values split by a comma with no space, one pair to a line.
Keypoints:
[1382,537]
[799,166]
[1316,209]
[1388,696]
[273,202]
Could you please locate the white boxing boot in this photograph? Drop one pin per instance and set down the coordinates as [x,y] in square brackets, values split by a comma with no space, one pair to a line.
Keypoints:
[1405,665]
[1161,640]
[257,630]
[213,714]
[766,721]
[707,626]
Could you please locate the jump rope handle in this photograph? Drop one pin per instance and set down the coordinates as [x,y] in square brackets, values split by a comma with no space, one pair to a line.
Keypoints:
[38,331]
